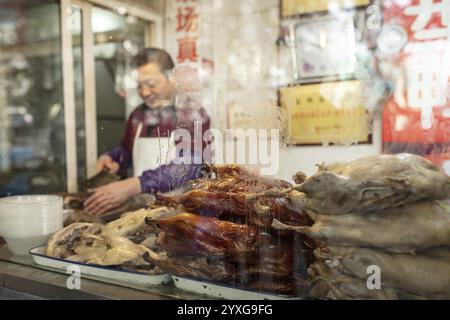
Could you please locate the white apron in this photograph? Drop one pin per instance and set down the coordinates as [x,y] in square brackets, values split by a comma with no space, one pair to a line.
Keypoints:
[150,153]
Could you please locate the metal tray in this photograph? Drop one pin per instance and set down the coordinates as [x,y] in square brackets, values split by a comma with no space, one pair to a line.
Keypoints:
[222,291]
[100,273]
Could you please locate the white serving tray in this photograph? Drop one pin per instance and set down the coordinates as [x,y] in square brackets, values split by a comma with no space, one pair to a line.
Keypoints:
[100,273]
[222,291]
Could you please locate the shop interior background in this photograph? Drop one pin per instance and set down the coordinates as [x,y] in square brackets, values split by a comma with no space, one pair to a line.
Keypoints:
[242,49]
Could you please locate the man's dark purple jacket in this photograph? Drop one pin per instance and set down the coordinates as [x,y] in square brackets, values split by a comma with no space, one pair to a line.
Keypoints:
[160,123]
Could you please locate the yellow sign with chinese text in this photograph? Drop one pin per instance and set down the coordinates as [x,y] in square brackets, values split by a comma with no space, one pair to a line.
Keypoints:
[294,7]
[326,113]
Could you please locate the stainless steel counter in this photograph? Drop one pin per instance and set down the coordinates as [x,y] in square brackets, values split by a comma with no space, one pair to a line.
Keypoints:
[20,278]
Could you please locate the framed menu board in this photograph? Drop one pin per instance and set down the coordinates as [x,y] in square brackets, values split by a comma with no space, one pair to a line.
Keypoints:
[326,113]
[296,7]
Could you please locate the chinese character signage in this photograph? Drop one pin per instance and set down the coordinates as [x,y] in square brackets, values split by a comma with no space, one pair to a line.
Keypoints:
[187,29]
[417,118]
[326,113]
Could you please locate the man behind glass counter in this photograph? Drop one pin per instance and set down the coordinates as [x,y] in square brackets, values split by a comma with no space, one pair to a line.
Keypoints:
[157,117]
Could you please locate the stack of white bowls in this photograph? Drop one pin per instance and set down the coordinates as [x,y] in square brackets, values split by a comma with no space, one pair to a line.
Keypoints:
[29,221]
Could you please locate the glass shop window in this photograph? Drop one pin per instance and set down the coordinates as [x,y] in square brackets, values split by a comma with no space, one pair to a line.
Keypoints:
[32,146]
[118,38]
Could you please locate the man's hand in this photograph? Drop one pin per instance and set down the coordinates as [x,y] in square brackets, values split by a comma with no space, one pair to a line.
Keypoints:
[106,161]
[112,196]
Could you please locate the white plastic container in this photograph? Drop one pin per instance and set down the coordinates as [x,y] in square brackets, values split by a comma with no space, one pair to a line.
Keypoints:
[21,246]
[28,221]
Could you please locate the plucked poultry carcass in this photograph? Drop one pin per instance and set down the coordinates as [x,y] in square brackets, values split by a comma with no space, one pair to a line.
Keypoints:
[425,274]
[133,222]
[84,242]
[115,244]
[407,229]
[331,284]
[371,184]
[391,212]
[63,242]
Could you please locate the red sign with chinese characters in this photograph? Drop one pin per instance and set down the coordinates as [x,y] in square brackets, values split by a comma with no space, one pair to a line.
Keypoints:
[417,117]
[187,19]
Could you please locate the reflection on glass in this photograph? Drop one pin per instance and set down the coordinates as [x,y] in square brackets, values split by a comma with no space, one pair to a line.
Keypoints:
[32,145]
[118,38]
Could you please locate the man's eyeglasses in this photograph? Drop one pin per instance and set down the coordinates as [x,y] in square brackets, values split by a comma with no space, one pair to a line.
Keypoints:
[148,84]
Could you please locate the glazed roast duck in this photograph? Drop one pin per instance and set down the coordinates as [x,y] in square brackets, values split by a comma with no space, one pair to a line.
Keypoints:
[223,238]
[207,232]
[316,237]
[212,249]
[225,197]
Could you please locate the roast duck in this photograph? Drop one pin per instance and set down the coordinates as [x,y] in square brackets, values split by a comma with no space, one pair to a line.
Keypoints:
[222,237]
[206,231]
[317,237]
